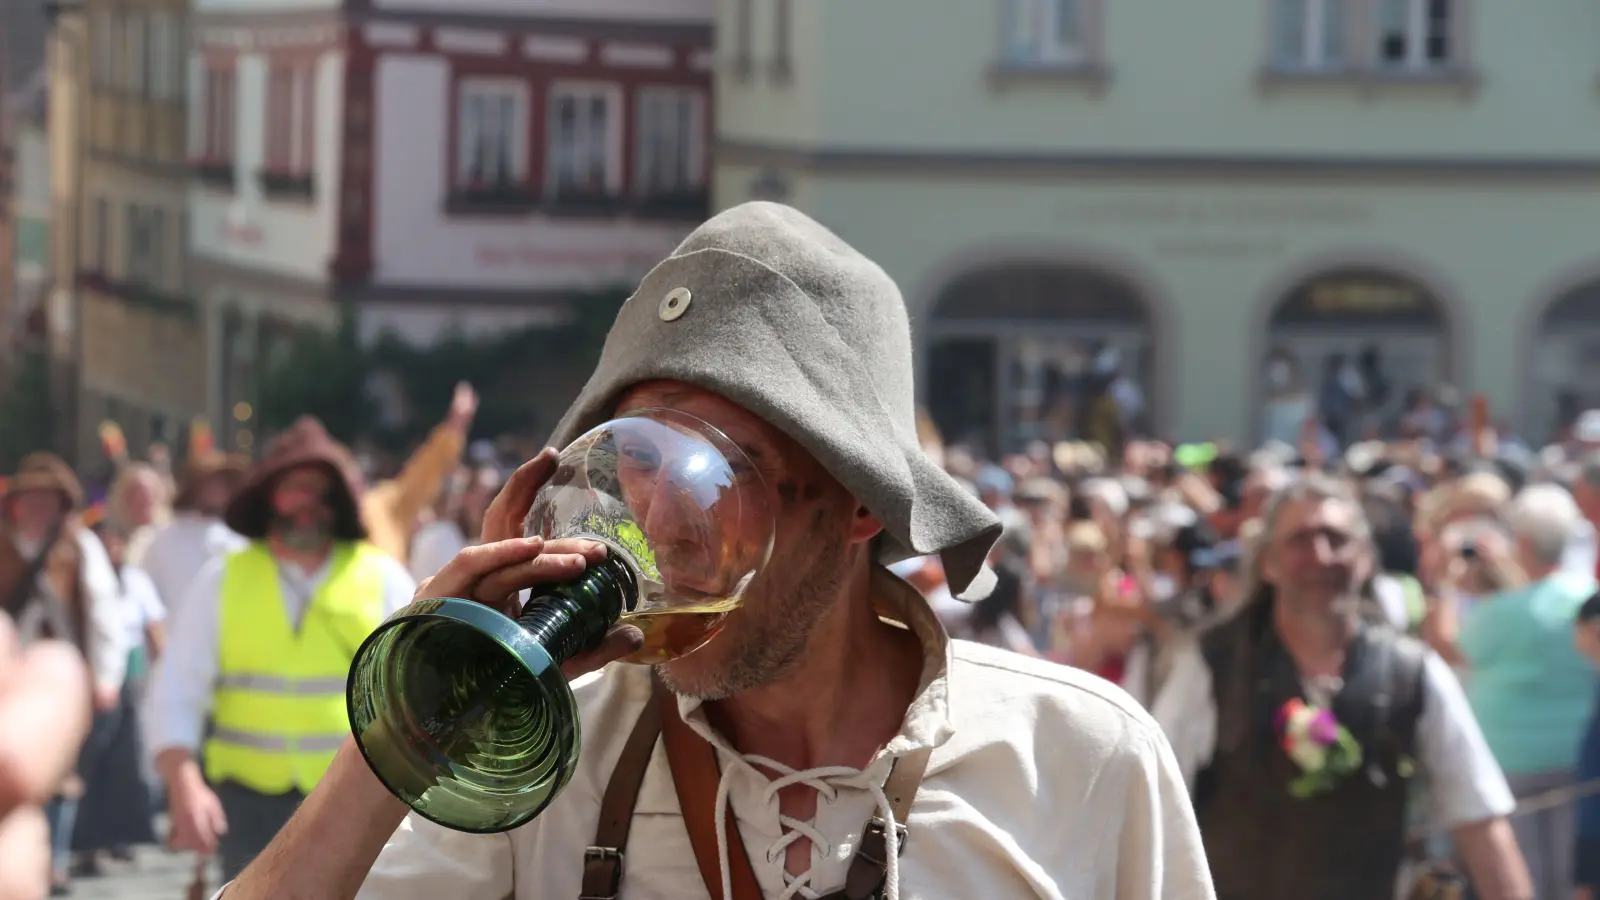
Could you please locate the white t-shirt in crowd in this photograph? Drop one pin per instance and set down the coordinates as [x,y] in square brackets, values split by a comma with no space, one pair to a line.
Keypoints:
[141,604]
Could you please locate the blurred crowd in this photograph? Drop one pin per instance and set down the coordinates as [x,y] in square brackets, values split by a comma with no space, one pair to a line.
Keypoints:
[1116,559]
[1119,562]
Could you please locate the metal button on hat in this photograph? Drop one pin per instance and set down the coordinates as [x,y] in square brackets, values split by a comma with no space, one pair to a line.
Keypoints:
[674,304]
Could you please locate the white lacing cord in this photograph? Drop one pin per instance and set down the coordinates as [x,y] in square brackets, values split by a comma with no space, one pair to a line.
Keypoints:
[818,779]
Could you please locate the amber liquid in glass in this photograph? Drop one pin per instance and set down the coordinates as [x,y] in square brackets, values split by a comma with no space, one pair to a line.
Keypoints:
[673,631]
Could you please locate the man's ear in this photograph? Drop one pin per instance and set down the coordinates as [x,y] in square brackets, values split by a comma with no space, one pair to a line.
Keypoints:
[864,526]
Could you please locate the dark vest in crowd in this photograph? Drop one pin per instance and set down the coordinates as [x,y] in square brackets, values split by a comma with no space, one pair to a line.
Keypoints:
[1347,843]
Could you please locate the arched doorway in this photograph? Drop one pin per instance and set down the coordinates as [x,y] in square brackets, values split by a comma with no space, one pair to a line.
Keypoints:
[1359,343]
[1015,352]
[1565,362]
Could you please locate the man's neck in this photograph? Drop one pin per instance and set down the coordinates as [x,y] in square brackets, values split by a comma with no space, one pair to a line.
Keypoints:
[842,703]
[1316,641]
[305,560]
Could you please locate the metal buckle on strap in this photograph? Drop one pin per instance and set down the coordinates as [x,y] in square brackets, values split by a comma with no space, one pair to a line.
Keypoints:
[874,843]
[612,859]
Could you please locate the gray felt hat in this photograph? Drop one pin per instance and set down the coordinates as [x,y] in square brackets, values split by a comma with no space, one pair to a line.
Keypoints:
[771,310]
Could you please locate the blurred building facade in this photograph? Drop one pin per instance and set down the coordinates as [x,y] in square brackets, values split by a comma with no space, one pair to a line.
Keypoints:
[143,342]
[1050,179]
[23,28]
[434,165]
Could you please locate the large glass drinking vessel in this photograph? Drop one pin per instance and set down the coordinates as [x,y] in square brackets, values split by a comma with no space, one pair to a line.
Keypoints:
[463,712]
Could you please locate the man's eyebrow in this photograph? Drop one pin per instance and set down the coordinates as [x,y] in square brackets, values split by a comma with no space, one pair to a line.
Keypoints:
[751,450]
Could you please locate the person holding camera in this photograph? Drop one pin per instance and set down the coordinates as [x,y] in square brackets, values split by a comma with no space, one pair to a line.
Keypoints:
[1529,687]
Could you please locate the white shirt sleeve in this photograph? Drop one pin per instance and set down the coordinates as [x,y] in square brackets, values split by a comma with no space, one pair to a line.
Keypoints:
[423,860]
[434,545]
[398,585]
[1465,784]
[180,685]
[107,638]
[141,591]
[1186,710]
[1160,855]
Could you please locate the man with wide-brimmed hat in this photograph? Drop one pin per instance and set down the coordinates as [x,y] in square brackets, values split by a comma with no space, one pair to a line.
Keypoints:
[832,738]
[196,533]
[56,581]
[266,638]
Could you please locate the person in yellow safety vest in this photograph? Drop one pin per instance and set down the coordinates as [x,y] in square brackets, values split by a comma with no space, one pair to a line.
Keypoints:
[265,650]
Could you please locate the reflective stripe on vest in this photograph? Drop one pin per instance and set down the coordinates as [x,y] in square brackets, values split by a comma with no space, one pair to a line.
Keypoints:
[279,712]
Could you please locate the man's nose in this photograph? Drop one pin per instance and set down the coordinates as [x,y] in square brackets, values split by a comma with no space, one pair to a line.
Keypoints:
[667,517]
[1322,549]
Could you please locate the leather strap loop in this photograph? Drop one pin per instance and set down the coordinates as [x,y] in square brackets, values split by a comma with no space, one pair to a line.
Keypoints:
[603,860]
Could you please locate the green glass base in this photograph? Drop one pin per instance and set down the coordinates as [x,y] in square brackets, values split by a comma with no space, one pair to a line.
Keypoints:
[463,715]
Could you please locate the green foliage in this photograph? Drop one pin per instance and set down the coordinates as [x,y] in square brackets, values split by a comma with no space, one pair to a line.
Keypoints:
[323,374]
[26,421]
[519,375]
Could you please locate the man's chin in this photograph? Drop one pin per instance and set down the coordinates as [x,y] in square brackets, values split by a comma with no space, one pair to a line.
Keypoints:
[702,674]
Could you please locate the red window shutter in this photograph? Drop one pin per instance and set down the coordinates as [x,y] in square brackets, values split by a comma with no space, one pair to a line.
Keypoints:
[306,112]
[280,117]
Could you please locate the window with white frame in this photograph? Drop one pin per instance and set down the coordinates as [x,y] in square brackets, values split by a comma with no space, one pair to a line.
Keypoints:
[103,36]
[161,73]
[584,140]
[1309,34]
[100,241]
[669,130]
[133,36]
[1045,32]
[144,246]
[1414,34]
[218,118]
[291,116]
[491,133]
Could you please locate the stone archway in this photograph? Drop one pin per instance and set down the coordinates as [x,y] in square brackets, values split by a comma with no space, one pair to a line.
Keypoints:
[1011,351]
[1565,364]
[1390,327]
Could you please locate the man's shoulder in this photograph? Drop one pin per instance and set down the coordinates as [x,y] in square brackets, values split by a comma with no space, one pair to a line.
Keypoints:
[1067,703]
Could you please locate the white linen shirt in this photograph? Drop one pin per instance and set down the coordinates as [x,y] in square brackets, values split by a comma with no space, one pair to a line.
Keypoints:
[104,642]
[179,550]
[1044,781]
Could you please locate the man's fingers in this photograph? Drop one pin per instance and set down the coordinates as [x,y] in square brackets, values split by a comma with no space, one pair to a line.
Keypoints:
[591,551]
[44,716]
[620,641]
[548,567]
[24,853]
[503,520]
[463,572]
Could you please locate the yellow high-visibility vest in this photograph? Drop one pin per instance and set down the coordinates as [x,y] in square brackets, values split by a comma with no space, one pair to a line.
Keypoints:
[279,706]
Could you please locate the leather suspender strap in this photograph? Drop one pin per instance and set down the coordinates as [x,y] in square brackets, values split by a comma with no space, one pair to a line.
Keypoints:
[603,860]
[696,776]
[870,866]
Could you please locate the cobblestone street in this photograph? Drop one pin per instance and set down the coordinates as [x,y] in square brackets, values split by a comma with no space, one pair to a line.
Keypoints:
[154,875]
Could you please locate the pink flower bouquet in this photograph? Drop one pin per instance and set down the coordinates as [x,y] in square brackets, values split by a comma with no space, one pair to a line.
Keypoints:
[1324,750]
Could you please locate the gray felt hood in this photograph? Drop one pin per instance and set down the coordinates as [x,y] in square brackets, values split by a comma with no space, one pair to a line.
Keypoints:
[769,309]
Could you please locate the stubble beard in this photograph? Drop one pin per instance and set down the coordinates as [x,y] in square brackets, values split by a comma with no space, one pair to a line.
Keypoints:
[775,631]
[1343,611]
